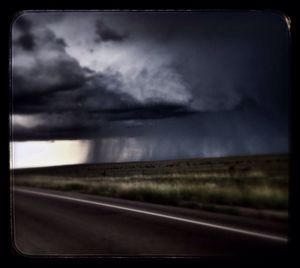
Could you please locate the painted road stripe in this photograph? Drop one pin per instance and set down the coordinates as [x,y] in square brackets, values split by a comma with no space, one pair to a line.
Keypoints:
[210,225]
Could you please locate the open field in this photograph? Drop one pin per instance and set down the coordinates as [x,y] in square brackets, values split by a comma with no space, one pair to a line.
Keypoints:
[227,183]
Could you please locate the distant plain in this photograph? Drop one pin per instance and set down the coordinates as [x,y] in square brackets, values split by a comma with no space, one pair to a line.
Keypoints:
[248,185]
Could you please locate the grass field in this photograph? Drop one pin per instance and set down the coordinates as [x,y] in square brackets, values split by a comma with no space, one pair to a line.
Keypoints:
[253,182]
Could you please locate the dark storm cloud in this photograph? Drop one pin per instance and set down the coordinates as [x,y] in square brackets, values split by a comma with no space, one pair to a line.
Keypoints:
[52,68]
[223,56]
[48,77]
[229,71]
[231,126]
[214,133]
[151,111]
[105,33]
[44,132]
[79,100]
[26,39]
[97,95]
[73,115]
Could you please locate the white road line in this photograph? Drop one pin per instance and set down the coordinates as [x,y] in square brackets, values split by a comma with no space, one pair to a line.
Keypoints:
[216,226]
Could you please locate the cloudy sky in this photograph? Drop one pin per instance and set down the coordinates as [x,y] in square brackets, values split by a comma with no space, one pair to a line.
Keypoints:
[130,86]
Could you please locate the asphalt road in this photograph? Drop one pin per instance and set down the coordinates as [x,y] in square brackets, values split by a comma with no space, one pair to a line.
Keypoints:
[62,223]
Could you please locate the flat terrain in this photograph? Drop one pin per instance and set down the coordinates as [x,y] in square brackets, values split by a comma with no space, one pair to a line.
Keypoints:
[256,184]
[59,223]
[196,207]
[273,165]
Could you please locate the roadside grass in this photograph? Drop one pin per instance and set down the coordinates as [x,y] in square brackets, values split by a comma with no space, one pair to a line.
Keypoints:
[207,190]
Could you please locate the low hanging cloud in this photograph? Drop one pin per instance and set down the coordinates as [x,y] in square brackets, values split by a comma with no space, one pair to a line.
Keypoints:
[50,84]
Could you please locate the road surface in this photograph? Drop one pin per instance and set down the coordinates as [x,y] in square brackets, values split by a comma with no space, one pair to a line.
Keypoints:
[48,222]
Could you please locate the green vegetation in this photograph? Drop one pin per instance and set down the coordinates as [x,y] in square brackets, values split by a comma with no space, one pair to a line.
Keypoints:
[226,184]
[252,189]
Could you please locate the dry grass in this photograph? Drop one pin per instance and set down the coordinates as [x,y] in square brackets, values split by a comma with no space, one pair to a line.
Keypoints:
[253,190]
[259,182]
